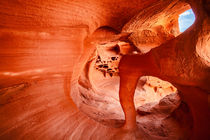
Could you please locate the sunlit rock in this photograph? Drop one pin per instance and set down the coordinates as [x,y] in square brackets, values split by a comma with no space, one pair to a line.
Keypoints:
[92,70]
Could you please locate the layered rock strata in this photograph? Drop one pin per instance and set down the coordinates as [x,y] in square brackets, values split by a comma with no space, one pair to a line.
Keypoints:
[69,70]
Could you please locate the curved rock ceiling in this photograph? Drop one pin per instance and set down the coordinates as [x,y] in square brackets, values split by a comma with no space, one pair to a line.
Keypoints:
[112,70]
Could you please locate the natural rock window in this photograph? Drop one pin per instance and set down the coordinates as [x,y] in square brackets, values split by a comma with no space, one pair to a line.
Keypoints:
[186,19]
[104,69]
[98,94]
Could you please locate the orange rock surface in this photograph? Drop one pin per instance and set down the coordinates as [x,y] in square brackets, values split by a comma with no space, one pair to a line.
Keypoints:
[102,69]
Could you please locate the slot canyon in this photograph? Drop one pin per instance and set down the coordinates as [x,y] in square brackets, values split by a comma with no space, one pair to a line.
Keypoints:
[104,70]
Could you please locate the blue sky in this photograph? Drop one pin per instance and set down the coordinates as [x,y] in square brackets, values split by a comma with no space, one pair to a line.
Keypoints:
[186,19]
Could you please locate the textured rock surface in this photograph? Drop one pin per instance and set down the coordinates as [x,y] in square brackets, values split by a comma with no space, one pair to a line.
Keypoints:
[50,87]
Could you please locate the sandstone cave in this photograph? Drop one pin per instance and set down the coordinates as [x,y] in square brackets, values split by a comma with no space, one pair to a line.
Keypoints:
[104,70]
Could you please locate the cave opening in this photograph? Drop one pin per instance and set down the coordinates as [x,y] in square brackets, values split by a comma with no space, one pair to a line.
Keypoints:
[186,19]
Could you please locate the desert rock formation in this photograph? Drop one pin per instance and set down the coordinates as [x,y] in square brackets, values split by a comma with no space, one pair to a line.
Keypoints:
[102,69]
